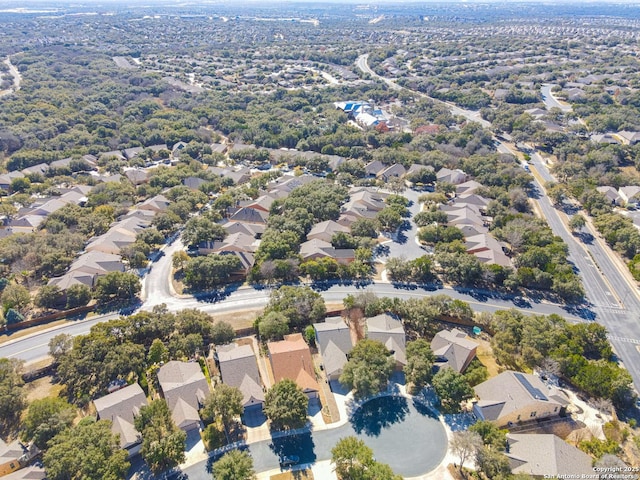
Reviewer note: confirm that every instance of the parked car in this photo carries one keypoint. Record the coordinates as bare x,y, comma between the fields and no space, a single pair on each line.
289,460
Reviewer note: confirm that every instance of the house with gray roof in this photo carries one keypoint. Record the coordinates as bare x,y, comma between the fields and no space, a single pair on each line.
239,368
372,169
611,193
629,195
393,171
334,344
546,455
455,177
120,407
453,349
316,248
389,330
184,388
515,397
249,215
157,204
326,230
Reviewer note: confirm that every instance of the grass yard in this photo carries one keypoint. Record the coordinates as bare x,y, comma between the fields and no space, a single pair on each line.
485,355
297,475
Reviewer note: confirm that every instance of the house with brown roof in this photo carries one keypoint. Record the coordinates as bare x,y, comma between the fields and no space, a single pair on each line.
453,349
291,358
121,407
239,368
334,344
514,397
487,249
389,330
546,455
184,388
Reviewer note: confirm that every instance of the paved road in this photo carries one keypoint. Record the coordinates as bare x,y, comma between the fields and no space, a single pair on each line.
404,245
613,299
550,101
474,116
411,443
35,347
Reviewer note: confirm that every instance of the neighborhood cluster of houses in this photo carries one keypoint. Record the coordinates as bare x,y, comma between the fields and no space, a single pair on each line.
363,113
628,196
467,212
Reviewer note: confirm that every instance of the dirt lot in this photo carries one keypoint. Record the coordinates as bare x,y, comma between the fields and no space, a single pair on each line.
297,475
42,388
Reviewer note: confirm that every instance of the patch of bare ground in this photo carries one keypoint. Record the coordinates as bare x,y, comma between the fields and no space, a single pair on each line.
485,355
239,320
306,474
42,388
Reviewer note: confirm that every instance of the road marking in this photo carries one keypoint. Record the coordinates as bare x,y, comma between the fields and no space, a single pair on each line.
624,339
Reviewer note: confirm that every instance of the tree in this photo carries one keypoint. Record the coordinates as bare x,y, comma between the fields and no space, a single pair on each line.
60,345
117,286
369,367
492,463
273,326
364,227
49,296
389,219
465,444
12,396
234,465
577,223
157,353
180,259
15,296
222,333
300,305
210,271
89,450
286,406
46,417
350,455
491,435
78,295
163,443
420,360
354,460
200,230
452,389
224,403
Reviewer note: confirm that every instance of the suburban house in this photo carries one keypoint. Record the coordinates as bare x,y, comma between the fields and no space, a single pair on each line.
120,407
372,169
253,229
239,368
629,195
455,177
334,344
291,358
249,215
326,230
453,349
14,461
87,268
7,178
316,248
611,193
487,249
389,331
157,204
630,138
546,455
184,388
514,397
393,171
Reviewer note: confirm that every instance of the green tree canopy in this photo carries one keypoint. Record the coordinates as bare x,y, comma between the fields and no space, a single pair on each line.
420,360
46,417
369,367
234,465
354,461
224,403
90,450
163,443
286,406
300,305
12,396
452,389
